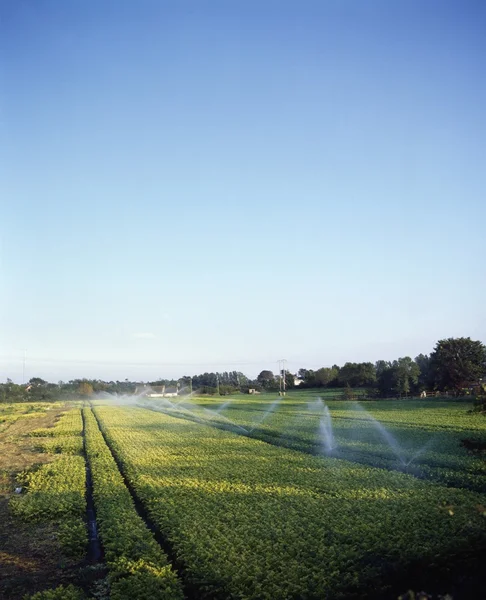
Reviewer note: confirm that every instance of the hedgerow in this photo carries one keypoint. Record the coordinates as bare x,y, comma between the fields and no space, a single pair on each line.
137,566
251,520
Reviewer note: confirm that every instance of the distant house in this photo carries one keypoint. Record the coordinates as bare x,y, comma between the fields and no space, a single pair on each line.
171,392
156,391
297,381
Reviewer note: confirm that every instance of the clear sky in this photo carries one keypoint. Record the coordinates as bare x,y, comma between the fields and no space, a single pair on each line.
188,186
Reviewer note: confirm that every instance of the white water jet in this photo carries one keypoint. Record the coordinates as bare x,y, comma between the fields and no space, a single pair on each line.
119,399
387,436
222,407
215,413
167,406
326,431
268,412
317,405
420,451
187,410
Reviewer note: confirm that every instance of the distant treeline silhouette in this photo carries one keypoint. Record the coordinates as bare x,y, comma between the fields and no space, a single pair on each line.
456,366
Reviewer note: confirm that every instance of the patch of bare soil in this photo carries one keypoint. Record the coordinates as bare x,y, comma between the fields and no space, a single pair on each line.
30,554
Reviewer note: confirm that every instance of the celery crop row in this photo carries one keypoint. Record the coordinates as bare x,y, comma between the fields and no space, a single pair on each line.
138,568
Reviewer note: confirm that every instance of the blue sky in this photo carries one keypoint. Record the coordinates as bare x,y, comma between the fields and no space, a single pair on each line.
192,186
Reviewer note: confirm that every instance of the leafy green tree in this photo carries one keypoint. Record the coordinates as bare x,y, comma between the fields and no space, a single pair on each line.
241,379
37,381
40,390
334,381
85,388
406,374
397,378
289,380
325,375
386,378
457,363
13,392
425,379
308,377
381,366
357,374
266,379
348,393
186,382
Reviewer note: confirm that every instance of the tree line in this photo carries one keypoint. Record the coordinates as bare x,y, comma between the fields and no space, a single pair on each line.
455,365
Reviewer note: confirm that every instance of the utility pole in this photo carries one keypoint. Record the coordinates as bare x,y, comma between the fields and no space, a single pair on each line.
282,369
217,383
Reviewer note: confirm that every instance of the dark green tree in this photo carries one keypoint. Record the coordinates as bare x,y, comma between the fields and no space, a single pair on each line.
308,377
406,375
37,381
266,379
357,374
85,388
425,379
325,375
397,378
457,363
289,381
381,366
348,393
386,378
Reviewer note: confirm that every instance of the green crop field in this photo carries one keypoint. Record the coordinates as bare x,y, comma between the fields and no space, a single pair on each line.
260,497
419,437
255,506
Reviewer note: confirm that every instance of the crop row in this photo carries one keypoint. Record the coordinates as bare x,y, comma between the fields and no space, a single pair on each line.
138,567
60,593
64,438
69,423
55,492
250,520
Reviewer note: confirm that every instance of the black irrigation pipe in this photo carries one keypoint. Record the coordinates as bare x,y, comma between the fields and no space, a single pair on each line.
191,592
95,549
